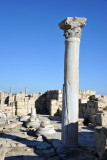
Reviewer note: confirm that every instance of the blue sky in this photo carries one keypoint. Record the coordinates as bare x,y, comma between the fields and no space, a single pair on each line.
32,45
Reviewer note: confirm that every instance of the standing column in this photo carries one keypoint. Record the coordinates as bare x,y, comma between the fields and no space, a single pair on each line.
26,91
72,32
10,90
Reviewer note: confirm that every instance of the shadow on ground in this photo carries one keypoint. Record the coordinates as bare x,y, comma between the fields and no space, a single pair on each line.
42,149
24,158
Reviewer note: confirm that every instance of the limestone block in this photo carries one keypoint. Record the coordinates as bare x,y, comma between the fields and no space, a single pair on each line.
92,92
21,107
20,103
97,96
21,111
101,119
101,142
52,102
53,107
29,111
60,95
33,124
60,99
93,111
84,100
60,91
45,128
94,120
87,92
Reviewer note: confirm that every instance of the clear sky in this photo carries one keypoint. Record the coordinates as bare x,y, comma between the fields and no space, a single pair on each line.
32,45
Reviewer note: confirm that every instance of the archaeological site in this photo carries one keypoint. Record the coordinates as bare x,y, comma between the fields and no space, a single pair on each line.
68,124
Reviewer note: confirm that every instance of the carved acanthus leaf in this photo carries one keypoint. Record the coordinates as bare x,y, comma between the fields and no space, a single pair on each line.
72,26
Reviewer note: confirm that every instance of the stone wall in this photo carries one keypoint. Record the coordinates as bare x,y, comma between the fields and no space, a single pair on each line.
95,110
55,105
91,106
24,103
16,104
51,102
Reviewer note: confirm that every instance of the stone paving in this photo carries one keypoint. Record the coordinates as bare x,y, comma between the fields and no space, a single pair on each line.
20,143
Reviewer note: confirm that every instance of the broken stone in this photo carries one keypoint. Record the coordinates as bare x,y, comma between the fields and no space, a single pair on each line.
32,124
101,142
24,118
45,128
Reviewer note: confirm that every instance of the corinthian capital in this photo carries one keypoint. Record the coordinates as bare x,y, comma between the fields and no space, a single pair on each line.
72,26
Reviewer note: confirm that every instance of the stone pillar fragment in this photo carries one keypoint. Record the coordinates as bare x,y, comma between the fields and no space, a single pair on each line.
33,114
72,32
26,91
10,90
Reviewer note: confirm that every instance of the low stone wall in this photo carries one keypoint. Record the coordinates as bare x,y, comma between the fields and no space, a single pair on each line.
17,104
51,102
95,109
55,106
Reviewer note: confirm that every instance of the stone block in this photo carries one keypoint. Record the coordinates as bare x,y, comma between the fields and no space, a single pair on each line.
101,119
21,103
60,91
84,100
92,92
52,102
93,111
94,120
21,106
101,142
21,111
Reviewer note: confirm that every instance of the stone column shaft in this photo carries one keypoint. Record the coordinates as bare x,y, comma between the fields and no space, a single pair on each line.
26,91
72,31
10,90
33,111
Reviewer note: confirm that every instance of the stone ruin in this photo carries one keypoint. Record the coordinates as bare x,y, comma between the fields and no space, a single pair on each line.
92,109
17,104
31,126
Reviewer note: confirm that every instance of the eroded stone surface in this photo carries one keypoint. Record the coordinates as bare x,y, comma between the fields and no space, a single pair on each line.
72,31
101,141
72,26
45,128
19,144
